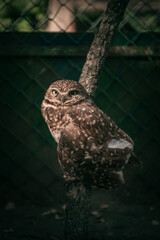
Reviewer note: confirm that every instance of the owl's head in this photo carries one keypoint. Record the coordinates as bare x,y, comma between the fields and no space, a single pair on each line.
66,93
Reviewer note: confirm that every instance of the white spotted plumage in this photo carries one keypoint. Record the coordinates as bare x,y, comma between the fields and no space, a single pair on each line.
91,147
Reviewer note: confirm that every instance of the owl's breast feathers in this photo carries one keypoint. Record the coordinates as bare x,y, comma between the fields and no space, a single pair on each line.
91,146
56,119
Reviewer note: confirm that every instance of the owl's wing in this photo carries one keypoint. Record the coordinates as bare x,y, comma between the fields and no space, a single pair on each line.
102,135
66,162
80,163
92,147
71,157
96,124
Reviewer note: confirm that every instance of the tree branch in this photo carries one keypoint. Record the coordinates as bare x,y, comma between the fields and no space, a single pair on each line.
101,44
77,211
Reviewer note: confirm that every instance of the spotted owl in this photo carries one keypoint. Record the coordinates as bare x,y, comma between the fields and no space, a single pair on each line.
91,147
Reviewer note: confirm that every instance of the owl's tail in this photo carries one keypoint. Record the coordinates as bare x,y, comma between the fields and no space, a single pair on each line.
109,180
134,160
110,176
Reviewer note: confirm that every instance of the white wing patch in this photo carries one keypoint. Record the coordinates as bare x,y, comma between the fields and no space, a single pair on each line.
121,144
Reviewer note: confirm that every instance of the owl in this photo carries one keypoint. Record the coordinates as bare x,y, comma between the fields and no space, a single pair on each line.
91,147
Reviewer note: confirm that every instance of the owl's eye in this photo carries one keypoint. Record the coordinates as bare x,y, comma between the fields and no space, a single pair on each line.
73,92
54,92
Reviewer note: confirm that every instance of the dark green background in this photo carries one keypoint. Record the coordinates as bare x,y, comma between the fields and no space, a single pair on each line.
128,91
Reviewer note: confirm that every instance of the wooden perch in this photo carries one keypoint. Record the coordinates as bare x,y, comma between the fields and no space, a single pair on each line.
77,202
101,44
77,211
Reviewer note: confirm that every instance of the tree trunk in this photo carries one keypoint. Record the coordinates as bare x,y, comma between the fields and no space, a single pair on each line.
77,211
101,44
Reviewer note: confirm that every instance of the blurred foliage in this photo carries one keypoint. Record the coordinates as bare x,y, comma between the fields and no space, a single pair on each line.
144,22
30,15
17,15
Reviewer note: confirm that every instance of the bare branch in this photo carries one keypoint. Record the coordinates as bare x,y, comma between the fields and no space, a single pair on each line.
101,44
77,211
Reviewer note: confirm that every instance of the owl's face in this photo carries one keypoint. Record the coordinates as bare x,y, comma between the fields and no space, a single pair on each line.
66,93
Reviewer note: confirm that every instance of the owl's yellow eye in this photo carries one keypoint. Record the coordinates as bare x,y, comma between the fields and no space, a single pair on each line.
54,92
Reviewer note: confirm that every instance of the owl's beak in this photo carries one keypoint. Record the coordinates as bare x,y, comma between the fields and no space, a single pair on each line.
63,99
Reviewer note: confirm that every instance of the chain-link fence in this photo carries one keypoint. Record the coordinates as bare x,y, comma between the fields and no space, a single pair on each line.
74,15
29,62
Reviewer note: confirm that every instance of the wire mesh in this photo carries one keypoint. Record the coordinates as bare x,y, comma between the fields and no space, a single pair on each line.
74,15
128,88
